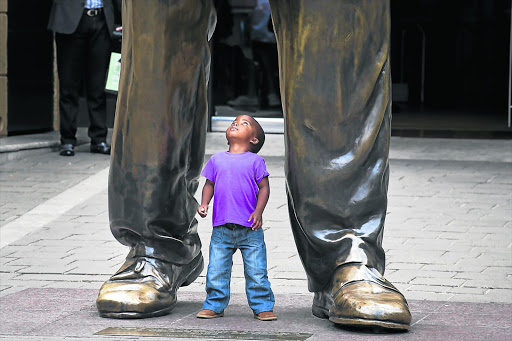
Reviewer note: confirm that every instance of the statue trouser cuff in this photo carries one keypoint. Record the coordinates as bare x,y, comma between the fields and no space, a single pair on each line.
145,287
361,297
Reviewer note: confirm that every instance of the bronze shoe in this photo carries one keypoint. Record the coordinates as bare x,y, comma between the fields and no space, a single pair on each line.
361,297
145,287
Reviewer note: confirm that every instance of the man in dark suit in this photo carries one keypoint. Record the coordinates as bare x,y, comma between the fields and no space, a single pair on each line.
83,32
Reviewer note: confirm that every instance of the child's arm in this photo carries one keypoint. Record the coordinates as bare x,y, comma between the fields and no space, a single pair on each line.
207,196
263,195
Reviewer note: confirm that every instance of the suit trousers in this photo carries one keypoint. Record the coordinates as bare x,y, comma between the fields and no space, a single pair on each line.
82,60
335,89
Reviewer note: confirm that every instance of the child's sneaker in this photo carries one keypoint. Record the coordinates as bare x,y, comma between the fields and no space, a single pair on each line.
266,316
209,314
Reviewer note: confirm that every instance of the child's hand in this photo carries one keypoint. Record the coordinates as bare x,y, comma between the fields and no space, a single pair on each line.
257,220
203,210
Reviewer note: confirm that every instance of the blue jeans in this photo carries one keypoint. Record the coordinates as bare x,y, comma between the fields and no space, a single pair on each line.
226,239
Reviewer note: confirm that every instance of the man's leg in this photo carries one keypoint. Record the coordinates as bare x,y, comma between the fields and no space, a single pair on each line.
158,152
335,83
71,49
98,53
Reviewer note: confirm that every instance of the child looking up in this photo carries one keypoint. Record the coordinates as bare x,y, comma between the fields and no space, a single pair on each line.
238,181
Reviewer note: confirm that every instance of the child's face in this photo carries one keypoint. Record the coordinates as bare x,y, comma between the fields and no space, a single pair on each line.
242,128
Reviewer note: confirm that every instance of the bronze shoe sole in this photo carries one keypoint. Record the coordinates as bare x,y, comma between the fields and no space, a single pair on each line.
138,315
368,323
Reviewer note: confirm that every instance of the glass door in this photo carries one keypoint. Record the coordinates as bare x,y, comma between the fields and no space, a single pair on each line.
244,75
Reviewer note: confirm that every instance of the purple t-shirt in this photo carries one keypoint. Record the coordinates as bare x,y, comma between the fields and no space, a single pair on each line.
236,177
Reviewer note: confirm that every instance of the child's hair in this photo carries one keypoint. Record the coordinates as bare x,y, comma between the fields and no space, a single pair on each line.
261,137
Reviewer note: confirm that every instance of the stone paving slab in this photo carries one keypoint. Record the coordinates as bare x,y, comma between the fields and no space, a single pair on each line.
22,181
71,313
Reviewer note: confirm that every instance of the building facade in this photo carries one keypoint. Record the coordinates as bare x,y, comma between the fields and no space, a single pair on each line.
450,65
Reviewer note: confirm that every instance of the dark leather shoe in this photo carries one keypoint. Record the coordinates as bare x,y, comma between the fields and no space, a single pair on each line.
361,297
145,287
101,148
67,150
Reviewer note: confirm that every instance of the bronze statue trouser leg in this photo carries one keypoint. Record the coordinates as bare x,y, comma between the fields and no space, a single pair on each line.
160,128
335,84
157,155
335,81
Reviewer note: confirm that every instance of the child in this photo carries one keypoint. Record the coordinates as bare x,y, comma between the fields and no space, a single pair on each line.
239,180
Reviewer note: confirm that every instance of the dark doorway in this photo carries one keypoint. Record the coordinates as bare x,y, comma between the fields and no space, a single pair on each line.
30,67
450,64
449,61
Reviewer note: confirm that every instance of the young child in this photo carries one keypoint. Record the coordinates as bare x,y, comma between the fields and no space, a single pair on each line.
239,179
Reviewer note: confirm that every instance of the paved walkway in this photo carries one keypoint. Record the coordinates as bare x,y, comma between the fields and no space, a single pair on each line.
448,242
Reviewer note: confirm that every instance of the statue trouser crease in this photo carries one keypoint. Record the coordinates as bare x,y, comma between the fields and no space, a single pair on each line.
335,85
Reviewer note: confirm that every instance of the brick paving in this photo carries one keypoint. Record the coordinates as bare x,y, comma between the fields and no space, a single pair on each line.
448,235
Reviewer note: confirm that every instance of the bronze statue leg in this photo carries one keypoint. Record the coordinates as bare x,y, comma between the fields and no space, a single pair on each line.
157,155
335,83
